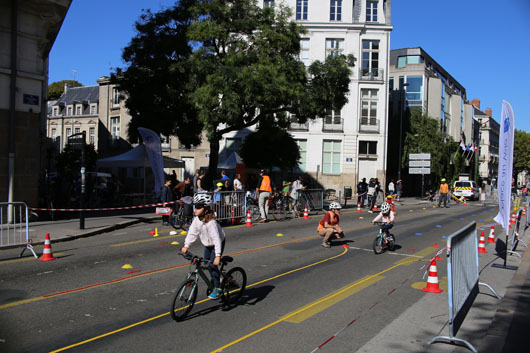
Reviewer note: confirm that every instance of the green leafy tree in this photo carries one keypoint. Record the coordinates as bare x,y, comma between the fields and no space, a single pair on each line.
56,89
270,147
424,136
224,65
521,152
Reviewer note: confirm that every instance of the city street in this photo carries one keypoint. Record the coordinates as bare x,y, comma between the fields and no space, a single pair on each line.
299,296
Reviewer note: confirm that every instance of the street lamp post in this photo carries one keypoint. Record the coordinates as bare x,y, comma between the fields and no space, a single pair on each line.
401,108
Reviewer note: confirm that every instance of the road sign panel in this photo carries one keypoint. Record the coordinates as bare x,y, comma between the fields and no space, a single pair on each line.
419,156
415,163
419,170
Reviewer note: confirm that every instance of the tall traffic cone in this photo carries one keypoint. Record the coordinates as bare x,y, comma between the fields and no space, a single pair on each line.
432,279
491,238
512,220
375,207
248,223
358,207
47,252
524,212
482,244
465,201
156,233
306,213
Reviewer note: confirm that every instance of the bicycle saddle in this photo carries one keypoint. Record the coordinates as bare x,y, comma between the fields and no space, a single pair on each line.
226,259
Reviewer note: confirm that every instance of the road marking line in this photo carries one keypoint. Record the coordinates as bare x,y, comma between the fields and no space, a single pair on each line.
27,259
199,302
332,299
143,240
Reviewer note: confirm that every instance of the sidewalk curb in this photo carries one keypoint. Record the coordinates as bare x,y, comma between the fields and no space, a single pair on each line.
101,230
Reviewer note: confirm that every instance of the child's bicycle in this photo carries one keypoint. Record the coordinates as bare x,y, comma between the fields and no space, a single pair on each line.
382,241
233,283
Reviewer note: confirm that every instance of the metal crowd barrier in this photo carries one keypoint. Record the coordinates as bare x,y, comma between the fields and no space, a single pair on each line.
462,279
228,205
313,198
14,226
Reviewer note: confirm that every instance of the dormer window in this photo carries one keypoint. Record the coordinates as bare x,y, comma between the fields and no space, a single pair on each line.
69,110
371,10
78,110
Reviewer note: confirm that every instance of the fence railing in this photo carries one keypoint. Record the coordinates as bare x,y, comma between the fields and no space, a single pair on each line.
313,198
14,226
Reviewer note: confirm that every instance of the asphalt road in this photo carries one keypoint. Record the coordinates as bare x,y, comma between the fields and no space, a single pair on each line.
299,295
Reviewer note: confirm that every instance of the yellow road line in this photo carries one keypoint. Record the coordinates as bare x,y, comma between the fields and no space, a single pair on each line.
343,293
199,302
144,240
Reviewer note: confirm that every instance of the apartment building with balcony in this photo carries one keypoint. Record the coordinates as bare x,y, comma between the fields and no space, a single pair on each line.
489,131
348,144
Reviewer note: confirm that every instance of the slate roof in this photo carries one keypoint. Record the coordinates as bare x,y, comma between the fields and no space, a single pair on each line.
86,94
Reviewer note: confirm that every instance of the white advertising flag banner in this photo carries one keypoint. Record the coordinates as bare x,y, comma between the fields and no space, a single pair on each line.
504,183
153,149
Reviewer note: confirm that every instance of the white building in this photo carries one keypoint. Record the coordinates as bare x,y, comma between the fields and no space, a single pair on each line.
349,144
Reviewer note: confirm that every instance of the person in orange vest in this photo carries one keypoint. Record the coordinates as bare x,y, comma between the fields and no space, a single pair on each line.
329,227
263,192
444,191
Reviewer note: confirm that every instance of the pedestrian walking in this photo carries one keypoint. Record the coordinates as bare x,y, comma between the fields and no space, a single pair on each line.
263,193
391,188
237,183
444,192
372,194
362,190
399,189
166,196
296,187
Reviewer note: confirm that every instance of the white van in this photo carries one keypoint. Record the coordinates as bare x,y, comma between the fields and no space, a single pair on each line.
466,188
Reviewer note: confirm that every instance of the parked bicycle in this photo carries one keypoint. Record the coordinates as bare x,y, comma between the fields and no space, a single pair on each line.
233,283
278,206
383,241
252,205
181,218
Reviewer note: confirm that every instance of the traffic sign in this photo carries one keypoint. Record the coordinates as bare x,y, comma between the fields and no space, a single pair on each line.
419,156
419,170
415,163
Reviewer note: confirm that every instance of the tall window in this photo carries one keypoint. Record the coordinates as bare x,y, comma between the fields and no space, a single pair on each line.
370,58
55,111
331,156
332,117
78,110
115,127
68,132
268,3
334,47
77,130
93,108
414,91
304,51
69,111
367,147
91,135
233,145
54,134
115,96
368,107
301,9
371,11
302,145
335,12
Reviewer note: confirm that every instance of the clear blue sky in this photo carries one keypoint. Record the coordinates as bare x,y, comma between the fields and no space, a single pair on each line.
483,44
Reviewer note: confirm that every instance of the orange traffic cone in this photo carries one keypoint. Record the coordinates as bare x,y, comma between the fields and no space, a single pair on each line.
482,244
432,279
358,207
524,212
47,252
512,220
375,207
465,202
491,238
248,223
306,214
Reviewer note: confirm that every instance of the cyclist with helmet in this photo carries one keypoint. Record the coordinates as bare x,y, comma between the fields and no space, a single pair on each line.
329,227
387,216
212,236
444,192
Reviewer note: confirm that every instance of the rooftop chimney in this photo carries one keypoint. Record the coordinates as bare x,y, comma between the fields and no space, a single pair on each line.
476,103
488,111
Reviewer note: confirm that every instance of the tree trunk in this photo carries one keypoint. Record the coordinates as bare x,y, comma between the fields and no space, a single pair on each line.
211,175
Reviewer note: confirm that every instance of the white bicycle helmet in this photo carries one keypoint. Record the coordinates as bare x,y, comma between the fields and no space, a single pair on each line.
334,206
385,207
202,199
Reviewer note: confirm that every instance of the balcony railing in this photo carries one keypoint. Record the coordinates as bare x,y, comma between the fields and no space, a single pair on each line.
295,125
371,74
333,124
369,125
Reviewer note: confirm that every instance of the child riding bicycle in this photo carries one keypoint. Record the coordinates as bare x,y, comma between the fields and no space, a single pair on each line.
386,216
212,236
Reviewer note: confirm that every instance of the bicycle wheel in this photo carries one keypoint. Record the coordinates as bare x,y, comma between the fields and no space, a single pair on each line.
254,213
278,212
234,283
378,246
184,299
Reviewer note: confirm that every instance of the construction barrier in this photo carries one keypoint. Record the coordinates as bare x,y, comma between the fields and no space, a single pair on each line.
313,198
463,280
14,226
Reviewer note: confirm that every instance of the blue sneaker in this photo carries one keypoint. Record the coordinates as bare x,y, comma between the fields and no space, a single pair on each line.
215,293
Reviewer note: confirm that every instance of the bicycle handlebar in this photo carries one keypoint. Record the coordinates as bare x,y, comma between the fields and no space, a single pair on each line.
194,258
379,223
